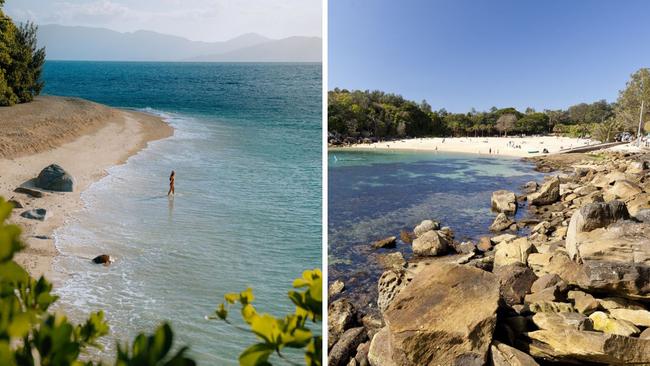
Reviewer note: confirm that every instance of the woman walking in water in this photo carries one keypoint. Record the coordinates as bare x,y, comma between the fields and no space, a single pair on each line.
171,183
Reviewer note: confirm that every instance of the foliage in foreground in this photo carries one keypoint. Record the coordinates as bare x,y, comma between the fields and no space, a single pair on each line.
275,334
21,62
30,335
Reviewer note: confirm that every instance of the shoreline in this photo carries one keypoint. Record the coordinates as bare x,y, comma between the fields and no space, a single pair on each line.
86,139
488,146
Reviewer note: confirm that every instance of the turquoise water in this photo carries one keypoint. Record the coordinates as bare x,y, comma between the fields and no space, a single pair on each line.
247,156
375,194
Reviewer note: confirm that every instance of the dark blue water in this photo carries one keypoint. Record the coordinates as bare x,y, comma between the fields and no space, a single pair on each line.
372,195
247,154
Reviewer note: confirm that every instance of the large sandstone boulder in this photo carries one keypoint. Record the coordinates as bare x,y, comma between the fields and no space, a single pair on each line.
504,201
592,216
390,284
430,243
547,194
516,251
55,178
445,316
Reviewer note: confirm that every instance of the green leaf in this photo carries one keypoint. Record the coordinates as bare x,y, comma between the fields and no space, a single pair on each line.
256,355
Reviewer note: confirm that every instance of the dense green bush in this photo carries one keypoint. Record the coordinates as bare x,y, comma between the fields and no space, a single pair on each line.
21,62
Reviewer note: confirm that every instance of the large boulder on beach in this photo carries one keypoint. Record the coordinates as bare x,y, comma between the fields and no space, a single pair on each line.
547,194
431,243
504,201
445,316
590,217
55,178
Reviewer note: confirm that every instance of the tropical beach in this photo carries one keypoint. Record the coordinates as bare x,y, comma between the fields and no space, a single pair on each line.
83,137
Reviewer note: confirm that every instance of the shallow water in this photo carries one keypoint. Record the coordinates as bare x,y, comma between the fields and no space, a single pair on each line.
246,151
375,194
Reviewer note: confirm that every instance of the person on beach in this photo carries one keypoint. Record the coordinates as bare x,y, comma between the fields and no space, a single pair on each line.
171,183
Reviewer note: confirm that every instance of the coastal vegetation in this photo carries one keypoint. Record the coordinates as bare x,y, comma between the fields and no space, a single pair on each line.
21,61
375,114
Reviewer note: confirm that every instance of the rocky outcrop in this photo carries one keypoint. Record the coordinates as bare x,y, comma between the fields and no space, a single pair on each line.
504,355
504,201
55,178
445,316
346,346
515,281
547,194
516,251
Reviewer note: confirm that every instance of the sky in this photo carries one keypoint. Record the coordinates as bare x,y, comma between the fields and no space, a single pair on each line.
463,54
198,20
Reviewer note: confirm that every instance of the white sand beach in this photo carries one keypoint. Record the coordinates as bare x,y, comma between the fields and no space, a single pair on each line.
84,138
504,146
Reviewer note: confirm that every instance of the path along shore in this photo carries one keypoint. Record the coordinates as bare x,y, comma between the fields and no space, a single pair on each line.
84,138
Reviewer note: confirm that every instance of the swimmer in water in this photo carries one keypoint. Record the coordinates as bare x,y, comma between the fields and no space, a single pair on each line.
171,183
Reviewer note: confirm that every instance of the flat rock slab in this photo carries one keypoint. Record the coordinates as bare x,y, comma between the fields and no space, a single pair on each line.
35,214
29,191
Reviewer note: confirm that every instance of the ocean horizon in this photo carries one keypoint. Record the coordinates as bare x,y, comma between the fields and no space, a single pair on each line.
247,154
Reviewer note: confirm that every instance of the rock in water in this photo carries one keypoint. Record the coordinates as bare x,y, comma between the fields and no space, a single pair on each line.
35,214
388,242
548,193
341,316
424,226
504,201
103,259
346,347
501,222
55,178
431,243
445,316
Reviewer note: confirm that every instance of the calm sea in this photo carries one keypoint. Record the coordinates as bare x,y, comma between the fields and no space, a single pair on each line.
373,195
247,156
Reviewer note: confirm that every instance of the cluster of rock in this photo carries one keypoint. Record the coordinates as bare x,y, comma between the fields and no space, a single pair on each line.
575,289
336,139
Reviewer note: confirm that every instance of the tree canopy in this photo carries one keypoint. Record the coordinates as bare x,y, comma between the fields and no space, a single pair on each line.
360,114
21,61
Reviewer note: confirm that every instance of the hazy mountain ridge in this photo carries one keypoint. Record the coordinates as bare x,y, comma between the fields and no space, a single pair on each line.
95,44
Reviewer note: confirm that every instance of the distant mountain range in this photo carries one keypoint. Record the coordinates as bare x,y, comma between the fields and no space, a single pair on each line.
99,44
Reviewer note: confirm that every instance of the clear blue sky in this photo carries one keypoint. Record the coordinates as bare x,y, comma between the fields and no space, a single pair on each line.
460,54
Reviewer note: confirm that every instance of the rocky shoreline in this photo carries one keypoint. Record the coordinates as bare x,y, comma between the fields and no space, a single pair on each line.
572,288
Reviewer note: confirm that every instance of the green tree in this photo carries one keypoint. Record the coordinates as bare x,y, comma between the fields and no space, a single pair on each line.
21,62
628,106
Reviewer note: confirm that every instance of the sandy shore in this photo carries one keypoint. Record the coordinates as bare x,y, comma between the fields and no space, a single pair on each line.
505,146
85,138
